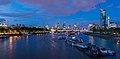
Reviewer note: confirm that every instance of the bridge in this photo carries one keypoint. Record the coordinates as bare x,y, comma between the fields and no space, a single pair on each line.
82,30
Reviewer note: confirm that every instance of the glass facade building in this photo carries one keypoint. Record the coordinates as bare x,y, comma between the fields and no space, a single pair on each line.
103,18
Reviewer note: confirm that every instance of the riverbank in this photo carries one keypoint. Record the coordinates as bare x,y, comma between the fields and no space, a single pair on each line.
101,35
16,34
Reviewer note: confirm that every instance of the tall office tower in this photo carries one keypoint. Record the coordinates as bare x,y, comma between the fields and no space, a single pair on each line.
64,26
103,18
57,26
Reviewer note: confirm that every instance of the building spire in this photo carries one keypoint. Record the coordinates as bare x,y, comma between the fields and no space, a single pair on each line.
4,21
108,22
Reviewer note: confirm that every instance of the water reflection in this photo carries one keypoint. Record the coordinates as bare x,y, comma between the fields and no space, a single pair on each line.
49,46
91,40
53,36
98,41
117,43
26,37
10,47
103,42
15,37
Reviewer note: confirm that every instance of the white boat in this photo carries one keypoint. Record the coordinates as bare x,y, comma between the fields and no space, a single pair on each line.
118,41
62,37
27,34
4,36
81,46
105,52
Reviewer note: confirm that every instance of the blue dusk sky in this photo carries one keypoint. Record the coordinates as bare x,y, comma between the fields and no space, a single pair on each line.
42,12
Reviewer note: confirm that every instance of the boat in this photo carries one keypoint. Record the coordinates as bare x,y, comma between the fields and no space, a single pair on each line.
118,41
27,34
73,42
77,41
62,37
94,51
81,47
106,52
69,41
91,46
4,36
91,50
71,34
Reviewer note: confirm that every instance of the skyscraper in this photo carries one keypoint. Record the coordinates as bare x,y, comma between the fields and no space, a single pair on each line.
64,26
57,26
103,18
75,27
47,27
108,22
69,27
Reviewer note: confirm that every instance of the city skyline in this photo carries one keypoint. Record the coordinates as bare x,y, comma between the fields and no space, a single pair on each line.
59,29
40,13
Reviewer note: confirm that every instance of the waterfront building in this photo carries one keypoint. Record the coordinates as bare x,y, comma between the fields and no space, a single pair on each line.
93,26
64,26
113,25
103,18
57,26
69,27
75,27
37,27
3,25
90,26
12,26
47,27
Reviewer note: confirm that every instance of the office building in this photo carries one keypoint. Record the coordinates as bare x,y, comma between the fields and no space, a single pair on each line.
103,19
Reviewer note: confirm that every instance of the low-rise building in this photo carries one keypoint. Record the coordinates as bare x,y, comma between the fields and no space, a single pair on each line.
113,25
3,25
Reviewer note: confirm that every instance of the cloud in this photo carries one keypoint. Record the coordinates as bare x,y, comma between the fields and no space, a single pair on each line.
118,6
25,14
111,5
1,19
64,7
4,2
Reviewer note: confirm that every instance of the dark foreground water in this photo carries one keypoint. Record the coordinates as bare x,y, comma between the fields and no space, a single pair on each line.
47,46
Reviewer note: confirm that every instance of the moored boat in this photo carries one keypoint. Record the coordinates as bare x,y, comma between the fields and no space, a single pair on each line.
106,52
27,34
4,36
62,37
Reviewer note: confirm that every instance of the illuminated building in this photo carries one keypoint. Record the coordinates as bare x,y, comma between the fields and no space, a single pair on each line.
36,26
113,25
64,26
90,26
4,25
69,27
93,26
57,26
103,18
75,27
47,27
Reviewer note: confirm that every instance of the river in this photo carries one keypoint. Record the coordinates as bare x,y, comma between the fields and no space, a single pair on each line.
47,46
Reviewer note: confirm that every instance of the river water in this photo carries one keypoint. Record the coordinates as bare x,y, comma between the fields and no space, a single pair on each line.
47,46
